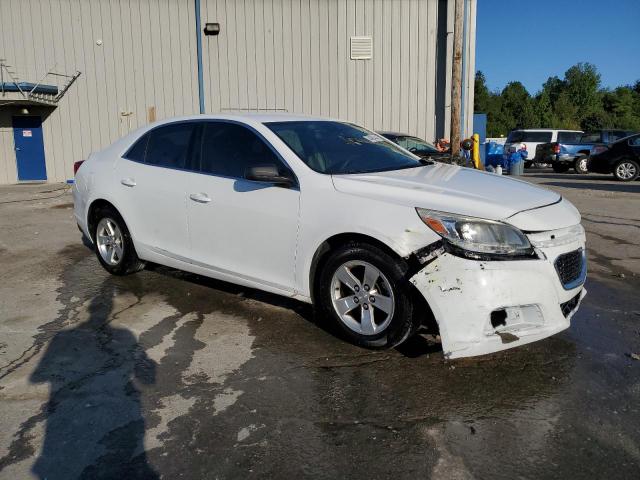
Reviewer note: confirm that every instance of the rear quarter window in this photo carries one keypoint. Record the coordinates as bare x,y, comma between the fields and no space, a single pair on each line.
138,150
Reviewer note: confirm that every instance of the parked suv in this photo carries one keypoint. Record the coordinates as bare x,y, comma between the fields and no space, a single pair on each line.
531,138
328,212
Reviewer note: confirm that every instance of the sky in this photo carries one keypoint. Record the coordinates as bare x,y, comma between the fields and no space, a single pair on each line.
531,40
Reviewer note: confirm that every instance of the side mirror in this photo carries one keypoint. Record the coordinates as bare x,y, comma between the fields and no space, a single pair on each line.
269,174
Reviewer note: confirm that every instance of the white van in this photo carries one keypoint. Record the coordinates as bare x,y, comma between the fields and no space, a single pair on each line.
532,137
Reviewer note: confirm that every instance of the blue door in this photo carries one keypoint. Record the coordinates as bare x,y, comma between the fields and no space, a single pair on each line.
27,138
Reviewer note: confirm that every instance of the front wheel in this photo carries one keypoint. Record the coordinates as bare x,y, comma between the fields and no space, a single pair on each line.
364,291
626,170
581,165
113,245
559,167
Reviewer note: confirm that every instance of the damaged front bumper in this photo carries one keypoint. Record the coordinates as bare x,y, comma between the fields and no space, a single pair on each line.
487,306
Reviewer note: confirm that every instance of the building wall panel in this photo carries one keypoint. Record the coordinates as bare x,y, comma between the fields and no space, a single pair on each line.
293,55
288,55
147,58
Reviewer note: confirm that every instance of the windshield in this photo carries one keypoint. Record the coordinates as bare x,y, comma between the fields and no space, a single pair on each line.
336,147
415,145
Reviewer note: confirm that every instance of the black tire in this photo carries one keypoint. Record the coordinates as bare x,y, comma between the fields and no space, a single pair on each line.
633,167
528,164
404,321
559,167
580,165
129,262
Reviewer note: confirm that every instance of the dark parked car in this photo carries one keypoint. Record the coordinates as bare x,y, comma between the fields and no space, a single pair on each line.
621,158
417,146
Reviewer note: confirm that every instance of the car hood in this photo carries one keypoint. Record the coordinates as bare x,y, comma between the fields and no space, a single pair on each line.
449,188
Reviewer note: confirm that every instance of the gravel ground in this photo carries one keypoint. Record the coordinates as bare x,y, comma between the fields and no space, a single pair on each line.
166,374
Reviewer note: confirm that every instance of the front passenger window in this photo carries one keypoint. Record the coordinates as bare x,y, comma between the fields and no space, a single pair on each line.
169,146
228,149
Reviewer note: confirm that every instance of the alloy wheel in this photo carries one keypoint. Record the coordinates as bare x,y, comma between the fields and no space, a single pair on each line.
109,241
626,170
362,297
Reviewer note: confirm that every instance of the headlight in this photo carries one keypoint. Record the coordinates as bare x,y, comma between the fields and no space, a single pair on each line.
475,237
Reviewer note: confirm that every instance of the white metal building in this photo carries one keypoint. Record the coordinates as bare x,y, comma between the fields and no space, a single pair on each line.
385,64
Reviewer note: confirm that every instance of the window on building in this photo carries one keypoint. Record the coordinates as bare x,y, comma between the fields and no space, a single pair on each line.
228,149
169,146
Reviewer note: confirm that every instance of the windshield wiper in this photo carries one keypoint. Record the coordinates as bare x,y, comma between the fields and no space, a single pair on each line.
426,161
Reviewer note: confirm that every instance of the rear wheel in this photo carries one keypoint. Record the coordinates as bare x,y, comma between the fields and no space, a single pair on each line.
559,167
528,164
626,170
364,291
113,245
581,165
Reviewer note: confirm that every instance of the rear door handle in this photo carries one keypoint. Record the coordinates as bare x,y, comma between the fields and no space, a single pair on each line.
128,182
200,197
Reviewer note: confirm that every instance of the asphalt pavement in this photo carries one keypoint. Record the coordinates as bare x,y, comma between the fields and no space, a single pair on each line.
165,374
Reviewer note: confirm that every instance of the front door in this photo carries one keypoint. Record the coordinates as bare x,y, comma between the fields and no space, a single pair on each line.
29,146
239,227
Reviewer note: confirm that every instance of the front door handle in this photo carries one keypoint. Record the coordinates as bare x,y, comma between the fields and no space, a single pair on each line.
200,197
128,182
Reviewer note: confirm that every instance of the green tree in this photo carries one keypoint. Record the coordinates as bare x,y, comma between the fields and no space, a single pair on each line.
576,101
583,87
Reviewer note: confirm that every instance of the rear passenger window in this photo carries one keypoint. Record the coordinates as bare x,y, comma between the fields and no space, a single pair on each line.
229,149
169,146
137,152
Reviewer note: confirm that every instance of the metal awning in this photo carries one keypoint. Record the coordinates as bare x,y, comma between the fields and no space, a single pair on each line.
17,92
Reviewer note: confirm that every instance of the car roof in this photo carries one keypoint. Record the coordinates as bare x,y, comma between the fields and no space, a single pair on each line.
249,117
545,130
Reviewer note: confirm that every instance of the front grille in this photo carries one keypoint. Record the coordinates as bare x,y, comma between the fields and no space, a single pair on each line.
570,266
568,307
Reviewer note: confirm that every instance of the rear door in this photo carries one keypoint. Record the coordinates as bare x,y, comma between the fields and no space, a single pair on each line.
238,227
152,186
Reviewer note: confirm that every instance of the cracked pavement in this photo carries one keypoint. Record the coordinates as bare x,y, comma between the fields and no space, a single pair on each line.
165,374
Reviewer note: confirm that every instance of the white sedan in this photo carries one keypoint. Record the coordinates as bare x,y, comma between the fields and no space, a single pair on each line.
331,213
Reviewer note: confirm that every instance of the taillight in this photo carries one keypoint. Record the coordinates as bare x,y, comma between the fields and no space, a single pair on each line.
556,148
76,166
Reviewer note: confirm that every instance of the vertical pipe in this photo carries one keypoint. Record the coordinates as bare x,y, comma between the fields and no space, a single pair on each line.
199,53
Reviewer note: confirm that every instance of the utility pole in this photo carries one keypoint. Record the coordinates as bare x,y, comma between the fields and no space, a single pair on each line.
456,77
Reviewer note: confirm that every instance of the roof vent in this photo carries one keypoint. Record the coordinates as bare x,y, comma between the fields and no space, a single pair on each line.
361,48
